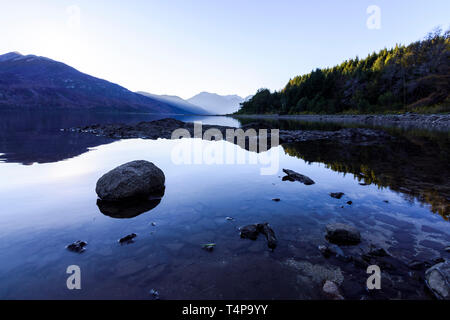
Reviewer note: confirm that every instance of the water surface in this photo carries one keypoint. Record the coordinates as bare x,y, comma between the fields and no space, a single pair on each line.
399,193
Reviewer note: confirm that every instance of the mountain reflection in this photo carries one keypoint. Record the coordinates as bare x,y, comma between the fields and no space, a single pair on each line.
415,165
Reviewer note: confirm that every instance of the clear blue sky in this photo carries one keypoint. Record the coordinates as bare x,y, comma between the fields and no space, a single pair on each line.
183,47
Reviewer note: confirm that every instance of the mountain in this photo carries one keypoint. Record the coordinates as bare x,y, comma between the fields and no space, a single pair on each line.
217,104
413,78
29,81
176,101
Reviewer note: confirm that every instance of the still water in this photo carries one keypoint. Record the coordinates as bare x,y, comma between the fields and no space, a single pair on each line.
400,202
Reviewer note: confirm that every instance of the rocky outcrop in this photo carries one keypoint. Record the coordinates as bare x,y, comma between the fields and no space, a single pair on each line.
437,279
133,180
342,234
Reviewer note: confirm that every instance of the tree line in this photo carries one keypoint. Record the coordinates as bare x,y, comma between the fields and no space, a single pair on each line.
412,78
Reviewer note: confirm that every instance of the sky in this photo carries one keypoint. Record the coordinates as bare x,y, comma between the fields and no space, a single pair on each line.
183,47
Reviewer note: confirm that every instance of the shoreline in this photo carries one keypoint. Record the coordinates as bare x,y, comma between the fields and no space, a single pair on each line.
438,122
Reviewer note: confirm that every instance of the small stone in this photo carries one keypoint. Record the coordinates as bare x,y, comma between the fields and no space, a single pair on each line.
77,246
349,203
339,233
437,279
447,249
209,247
249,232
229,218
154,294
332,291
252,231
295,176
276,200
337,195
128,239
326,252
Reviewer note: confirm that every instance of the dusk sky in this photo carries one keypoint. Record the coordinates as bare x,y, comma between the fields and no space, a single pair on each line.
184,47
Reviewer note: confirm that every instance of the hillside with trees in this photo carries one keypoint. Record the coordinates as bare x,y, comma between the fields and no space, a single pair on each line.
414,78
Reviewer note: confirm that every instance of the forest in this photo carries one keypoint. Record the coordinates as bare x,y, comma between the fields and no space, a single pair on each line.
412,78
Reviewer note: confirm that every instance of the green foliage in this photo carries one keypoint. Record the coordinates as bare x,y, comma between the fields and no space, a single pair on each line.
404,78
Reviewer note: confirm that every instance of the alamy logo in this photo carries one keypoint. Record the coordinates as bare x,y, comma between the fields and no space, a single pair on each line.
74,17
374,281
194,151
374,20
74,280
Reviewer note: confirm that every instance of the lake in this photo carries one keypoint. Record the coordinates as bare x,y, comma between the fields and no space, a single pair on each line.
399,193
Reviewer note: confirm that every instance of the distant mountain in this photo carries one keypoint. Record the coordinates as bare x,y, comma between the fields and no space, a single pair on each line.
217,104
176,101
38,82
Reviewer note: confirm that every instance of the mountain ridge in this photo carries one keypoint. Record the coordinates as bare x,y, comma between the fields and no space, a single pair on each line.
30,81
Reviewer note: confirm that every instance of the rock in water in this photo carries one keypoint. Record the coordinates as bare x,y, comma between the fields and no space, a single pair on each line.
266,230
337,195
437,279
128,239
295,176
331,290
339,233
249,232
77,246
136,179
253,230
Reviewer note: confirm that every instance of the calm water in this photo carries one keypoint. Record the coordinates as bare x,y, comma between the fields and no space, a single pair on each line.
47,193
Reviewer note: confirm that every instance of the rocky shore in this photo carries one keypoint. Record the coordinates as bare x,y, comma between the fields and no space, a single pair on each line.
439,122
165,127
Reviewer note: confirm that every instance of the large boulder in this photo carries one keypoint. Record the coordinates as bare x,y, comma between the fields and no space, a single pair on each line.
133,180
339,233
437,279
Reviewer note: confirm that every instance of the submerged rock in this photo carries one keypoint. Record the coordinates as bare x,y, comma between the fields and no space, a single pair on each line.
252,231
337,195
266,230
339,233
295,176
315,274
437,279
136,179
332,291
77,246
249,232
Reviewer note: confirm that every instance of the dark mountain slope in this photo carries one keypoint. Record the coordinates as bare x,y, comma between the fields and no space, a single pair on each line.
37,82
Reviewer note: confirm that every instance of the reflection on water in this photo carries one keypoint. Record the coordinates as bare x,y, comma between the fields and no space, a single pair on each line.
48,205
418,167
29,136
